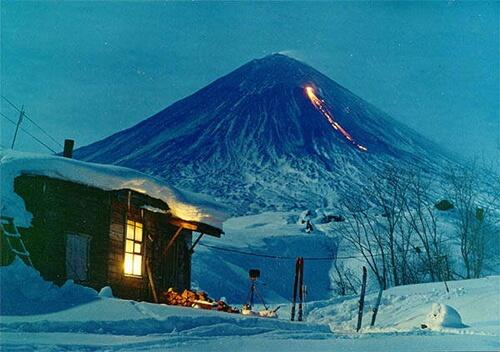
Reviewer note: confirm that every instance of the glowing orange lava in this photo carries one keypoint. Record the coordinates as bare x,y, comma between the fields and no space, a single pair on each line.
320,106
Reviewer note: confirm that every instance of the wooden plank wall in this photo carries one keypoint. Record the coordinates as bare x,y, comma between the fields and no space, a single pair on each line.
170,271
61,207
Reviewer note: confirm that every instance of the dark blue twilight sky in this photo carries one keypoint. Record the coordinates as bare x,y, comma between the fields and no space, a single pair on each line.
84,70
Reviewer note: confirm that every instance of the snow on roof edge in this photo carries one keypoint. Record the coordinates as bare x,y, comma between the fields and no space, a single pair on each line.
185,205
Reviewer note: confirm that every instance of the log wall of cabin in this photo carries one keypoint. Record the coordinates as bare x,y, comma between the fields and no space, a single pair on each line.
60,208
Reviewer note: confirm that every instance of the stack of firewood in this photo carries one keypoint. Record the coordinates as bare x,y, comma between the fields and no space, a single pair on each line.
185,298
224,307
194,299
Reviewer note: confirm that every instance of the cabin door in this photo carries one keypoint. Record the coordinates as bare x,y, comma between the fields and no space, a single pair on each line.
77,257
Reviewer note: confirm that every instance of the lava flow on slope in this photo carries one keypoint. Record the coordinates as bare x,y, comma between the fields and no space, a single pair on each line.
321,107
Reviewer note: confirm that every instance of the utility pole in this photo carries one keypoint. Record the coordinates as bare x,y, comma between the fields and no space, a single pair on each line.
19,120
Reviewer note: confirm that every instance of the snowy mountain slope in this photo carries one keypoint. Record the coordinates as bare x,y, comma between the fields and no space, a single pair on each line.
95,323
255,139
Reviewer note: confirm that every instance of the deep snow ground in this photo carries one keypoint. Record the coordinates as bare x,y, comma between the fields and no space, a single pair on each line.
119,325
36,315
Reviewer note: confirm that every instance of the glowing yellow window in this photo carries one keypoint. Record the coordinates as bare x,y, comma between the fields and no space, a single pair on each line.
133,249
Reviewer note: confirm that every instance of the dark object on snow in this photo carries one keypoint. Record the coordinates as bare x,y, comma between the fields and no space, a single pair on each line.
480,214
329,218
309,226
361,300
444,205
306,216
423,326
338,218
254,274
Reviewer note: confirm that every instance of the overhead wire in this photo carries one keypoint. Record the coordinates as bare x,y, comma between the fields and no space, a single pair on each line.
31,120
284,257
28,133
225,249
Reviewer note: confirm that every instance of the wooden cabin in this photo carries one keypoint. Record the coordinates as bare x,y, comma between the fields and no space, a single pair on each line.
122,238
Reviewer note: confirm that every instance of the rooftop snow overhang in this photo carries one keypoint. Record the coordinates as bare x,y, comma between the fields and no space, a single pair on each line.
190,208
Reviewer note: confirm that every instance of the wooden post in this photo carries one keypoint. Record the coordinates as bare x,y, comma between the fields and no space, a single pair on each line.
447,274
151,281
361,300
377,304
191,250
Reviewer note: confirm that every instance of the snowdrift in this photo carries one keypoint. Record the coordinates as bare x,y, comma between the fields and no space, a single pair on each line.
443,316
29,303
24,292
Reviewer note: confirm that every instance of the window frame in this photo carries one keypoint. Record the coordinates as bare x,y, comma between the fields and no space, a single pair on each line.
127,239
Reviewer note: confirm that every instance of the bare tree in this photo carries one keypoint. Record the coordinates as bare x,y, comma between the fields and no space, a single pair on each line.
360,230
408,266
388,192
345,280
420,215
475,196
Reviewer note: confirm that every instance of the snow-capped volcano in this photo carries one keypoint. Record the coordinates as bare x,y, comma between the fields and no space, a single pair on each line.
273,134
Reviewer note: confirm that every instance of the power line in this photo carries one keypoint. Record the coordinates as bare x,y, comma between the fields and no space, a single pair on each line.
280,256
284,257
31,120
28,133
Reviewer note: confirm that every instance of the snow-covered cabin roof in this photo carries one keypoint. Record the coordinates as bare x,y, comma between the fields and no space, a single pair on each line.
184,205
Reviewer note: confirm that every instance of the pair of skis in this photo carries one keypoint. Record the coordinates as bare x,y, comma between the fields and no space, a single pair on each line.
298,285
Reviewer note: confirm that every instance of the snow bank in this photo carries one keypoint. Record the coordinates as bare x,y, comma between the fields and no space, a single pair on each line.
443,316
106,291
30,304
114,324
185,205
404,309
24,292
